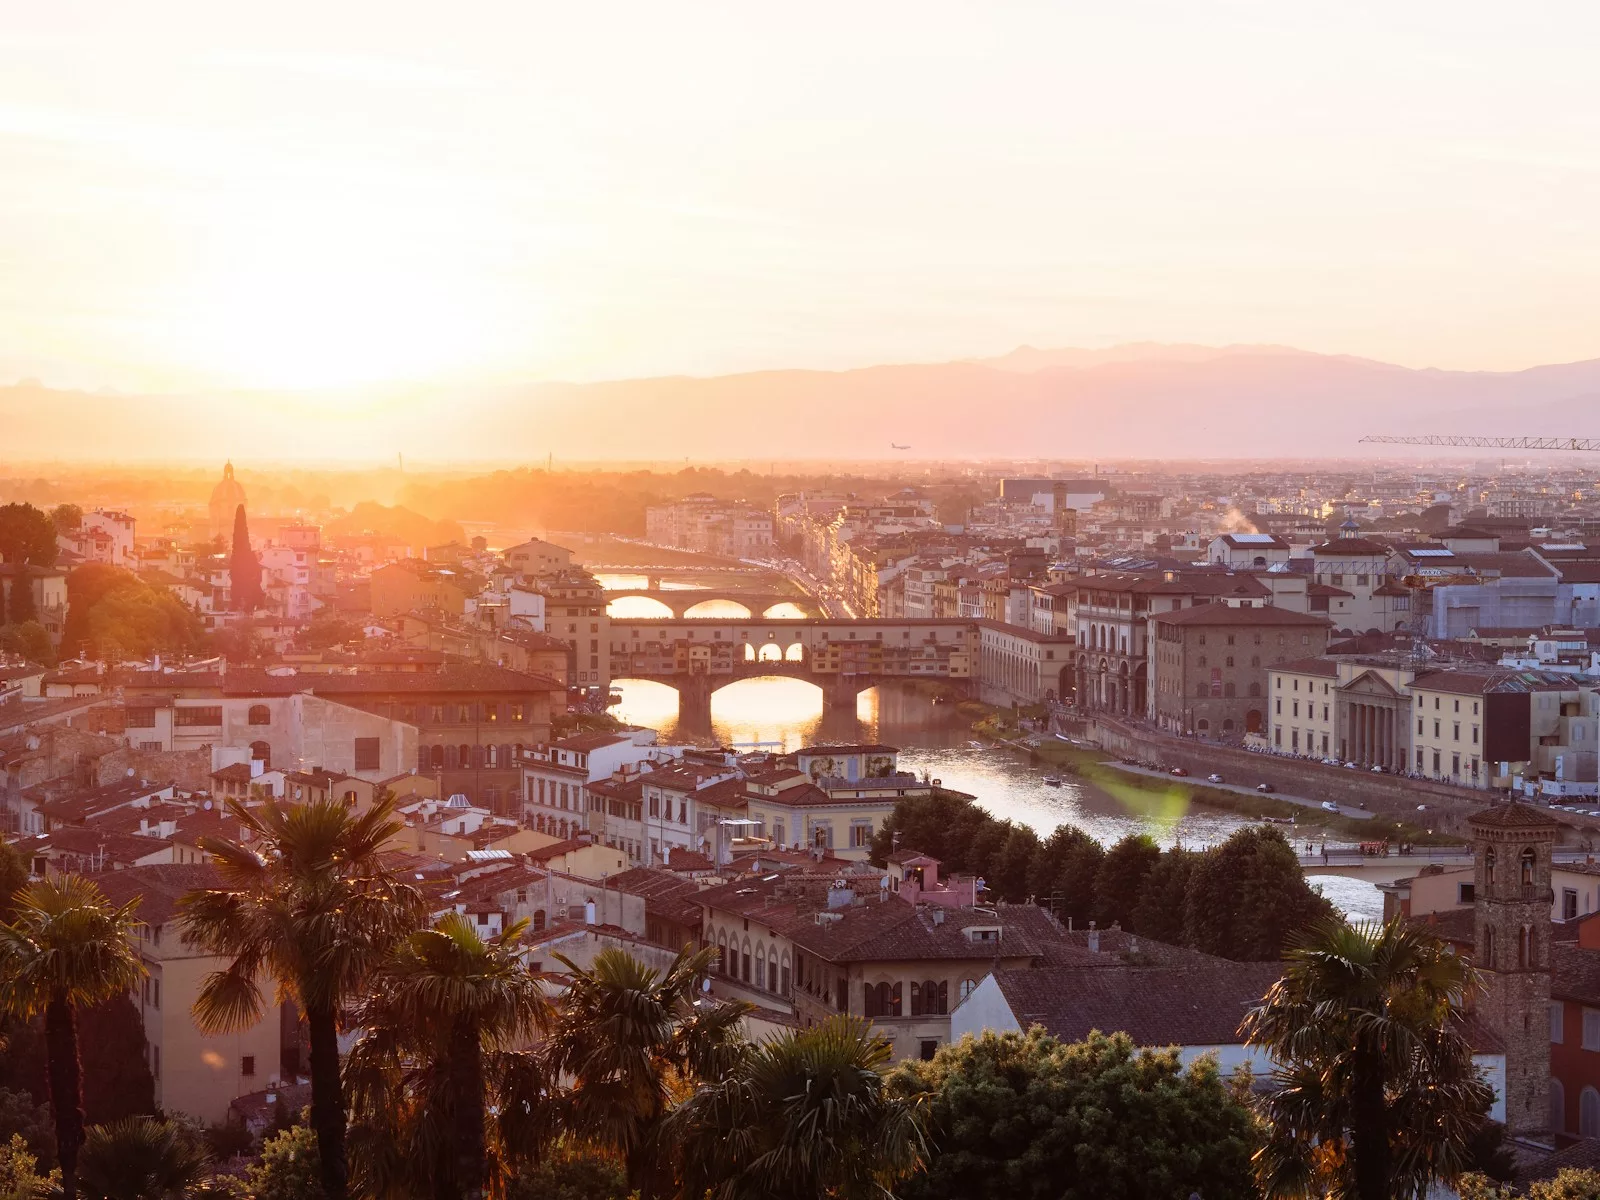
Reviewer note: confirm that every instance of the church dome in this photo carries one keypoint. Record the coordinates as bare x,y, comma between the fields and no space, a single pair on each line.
225,500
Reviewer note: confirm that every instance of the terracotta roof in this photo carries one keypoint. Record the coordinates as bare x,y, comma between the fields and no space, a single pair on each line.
1582,1155
1474,683
1575,973
75,839
1456,925
1512,815
584,742
1309,666
453,677
666,894
1155,1006
161,886
1229,614
1352,547
555,849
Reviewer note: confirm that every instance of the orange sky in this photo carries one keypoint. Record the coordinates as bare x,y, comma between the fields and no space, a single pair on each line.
199,194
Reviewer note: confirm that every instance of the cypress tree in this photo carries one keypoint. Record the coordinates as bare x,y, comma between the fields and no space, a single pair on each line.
22,607
244,569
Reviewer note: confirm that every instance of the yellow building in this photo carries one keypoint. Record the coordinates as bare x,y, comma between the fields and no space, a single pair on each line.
196,1074
1303,707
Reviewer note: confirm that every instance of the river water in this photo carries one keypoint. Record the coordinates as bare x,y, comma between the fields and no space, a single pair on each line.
783,714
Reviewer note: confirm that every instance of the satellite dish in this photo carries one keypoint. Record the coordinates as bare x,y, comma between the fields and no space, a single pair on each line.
207,806
705,985
130,772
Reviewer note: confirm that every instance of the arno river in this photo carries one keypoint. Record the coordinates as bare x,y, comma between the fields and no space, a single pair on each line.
783,714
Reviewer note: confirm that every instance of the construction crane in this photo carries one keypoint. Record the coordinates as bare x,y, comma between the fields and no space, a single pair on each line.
1499,443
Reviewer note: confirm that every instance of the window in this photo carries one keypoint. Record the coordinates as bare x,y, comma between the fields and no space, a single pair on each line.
966,989
1569,903
1589,1112
1466,893
1527,868
260,714
198,715
140,718
1455,732
1558,1014
927,1048
367,755
247,1065
1591,1029
1230,660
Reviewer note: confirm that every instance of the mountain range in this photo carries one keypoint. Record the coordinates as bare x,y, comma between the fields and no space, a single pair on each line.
1143,400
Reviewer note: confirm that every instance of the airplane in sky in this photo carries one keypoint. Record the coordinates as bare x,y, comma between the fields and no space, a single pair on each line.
898,446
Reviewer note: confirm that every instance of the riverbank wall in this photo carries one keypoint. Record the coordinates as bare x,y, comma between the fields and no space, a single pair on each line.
1392,796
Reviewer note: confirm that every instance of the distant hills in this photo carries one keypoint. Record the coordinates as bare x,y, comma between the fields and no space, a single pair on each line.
1144,400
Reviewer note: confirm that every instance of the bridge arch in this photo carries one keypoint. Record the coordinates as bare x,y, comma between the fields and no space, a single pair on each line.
696,611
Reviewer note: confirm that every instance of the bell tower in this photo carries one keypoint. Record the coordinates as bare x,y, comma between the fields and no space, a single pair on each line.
1512,845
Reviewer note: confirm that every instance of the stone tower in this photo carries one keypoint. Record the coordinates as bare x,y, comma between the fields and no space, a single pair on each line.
1512,844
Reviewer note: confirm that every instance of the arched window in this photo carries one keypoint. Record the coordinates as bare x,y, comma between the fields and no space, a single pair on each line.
745,963
772,968
1488,948
761,965
1488,865
450,759
783,977
1255,689
916,998
894,1001
1203,725
1558,1106
722,952
261,752
438,758
477,758
260,714
538,919
464,756
1525,948
1227,726
1527,867
1589,1112
349,799
494,755
422,758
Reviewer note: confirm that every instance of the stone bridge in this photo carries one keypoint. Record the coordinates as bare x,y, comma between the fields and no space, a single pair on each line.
1349,862
681,600
697,657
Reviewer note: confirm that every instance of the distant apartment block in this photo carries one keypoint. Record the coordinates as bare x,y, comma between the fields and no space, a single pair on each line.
707,525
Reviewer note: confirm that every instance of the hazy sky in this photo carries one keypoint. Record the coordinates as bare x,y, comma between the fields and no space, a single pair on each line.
196,193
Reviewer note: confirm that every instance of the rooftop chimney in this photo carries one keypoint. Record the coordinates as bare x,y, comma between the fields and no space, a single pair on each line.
1094,939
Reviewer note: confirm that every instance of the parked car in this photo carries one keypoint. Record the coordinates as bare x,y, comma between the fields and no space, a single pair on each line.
1265,787
1177,771
1214,778
1329,806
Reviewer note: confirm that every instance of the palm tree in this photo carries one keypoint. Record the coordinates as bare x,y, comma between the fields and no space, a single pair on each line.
1377,1092
441,1016
626,1037
138,1158
66,948
804,1115
313,908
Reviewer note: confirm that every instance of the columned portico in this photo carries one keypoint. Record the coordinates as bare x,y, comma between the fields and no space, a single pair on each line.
1372,730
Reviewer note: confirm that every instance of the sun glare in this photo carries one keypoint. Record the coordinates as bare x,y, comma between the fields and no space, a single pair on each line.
316,297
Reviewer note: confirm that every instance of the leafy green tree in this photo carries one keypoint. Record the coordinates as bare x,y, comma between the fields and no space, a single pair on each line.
21,1114
1026,1117
625,1035
570,1172
311,905
1159,911
29,641
1120,881
67,518
27,535
116,1078
19,1173
113,612
65,948
1377,1094
244,568
13,878
806,1114
1569,1184
1247,898
141,1158
290,1167
439,1017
